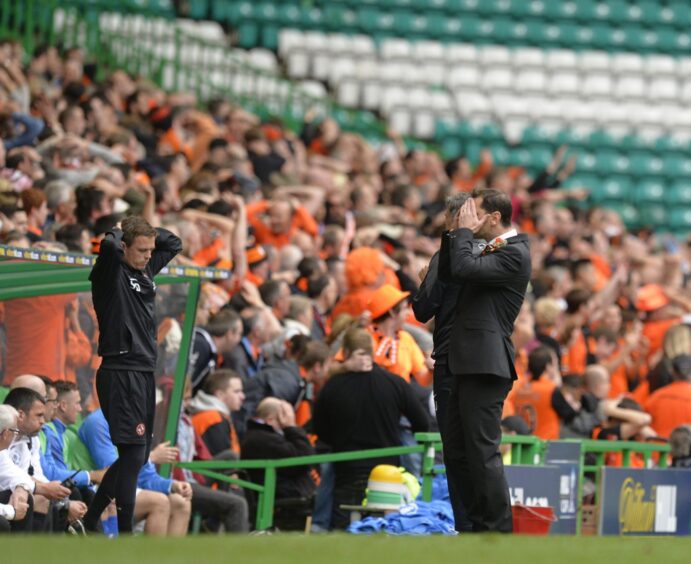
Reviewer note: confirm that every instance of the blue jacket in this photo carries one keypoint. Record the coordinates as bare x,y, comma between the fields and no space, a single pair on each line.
53,458
95,434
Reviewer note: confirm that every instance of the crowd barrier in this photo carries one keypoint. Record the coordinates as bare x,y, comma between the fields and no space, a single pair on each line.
531,461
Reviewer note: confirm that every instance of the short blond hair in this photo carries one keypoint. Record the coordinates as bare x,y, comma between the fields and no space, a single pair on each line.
547,311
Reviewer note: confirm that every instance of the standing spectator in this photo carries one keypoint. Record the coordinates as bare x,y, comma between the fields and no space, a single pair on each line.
670,406
361,409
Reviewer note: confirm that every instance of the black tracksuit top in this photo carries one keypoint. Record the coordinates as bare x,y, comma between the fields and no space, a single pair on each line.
124,301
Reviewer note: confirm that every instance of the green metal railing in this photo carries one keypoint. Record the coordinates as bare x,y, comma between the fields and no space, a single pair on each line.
600,449
525,450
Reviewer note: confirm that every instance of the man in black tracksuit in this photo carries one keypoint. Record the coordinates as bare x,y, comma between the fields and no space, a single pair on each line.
123,293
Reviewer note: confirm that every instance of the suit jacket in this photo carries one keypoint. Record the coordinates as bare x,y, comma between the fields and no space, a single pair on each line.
436,298
491,295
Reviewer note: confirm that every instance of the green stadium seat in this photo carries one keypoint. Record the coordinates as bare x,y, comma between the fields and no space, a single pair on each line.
219,10
676,165
451,147
269,37
290,16
679,219
679,194
649,190
248,34
610,162
239,12
602,36
312,18
199,9
3,393
611,188
627,212
645,163
653,215
536,135
266,12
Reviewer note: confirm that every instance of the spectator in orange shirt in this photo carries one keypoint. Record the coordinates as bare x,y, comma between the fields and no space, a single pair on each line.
277,220
532,398
258,268
35,205
575,352
660,314
394,348
670,406
463,178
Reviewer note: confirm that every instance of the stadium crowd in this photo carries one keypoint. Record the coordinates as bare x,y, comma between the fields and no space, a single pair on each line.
327,238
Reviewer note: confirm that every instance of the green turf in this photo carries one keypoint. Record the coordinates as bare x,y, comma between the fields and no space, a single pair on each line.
329,549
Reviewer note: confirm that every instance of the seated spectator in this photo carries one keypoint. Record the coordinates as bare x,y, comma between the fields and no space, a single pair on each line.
276,221
228,507
532,398
680,443
220,336
221,394
164,503
274,434
25,454
512,425
670,405
55,467
16,503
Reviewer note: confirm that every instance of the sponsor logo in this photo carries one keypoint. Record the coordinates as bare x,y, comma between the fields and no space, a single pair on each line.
657,514
518,497
134,284
141,429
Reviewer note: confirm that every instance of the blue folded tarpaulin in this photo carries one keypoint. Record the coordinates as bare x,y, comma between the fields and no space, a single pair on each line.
419,518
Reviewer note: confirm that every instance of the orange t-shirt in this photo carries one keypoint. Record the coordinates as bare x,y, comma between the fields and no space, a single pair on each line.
655,332
36,336
532,400
670,406
401,356
211,254
575,358
302,220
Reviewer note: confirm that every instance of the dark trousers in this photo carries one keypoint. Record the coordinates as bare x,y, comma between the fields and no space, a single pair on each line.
474,464
228,507
443,381
23,526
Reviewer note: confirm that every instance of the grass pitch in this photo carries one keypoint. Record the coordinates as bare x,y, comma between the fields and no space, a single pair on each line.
336,548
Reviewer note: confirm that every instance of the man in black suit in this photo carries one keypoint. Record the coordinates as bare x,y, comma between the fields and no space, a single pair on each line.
481,355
